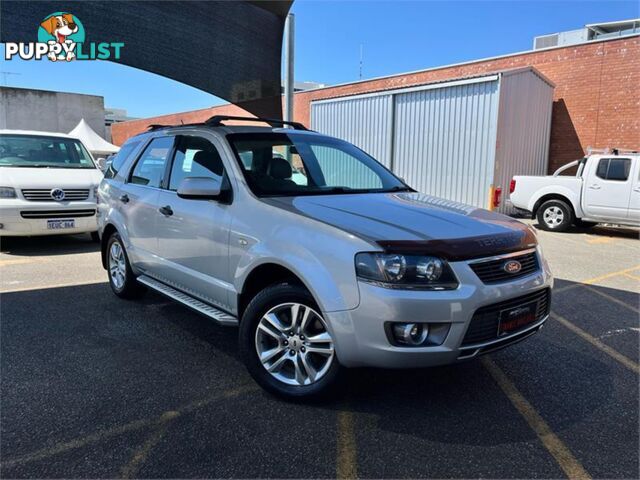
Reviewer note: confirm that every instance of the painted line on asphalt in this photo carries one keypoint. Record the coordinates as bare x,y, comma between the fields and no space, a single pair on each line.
19,261
560,452
613,299
632,276
620,358
130,470
50,286
346,463
600,240
64,447
593,280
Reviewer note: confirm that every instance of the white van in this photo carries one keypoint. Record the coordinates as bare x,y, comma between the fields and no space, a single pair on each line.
48,185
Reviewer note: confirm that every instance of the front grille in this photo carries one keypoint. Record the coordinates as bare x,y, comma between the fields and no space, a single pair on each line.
485,321
492,271
57,213
44,195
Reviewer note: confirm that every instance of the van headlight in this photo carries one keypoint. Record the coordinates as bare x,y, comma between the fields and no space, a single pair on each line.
7,192
393,270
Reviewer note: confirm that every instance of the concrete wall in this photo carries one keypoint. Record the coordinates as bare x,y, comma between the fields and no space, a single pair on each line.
596,100
26,109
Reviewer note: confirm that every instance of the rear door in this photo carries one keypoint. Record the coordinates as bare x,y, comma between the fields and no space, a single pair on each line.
634,200
139,201
194,234
608,188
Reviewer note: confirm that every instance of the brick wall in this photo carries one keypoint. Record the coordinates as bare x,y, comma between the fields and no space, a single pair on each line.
596,99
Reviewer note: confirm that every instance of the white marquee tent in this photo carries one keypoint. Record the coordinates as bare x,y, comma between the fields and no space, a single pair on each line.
97,145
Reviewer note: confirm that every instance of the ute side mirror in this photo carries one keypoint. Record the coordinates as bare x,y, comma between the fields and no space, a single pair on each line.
201,188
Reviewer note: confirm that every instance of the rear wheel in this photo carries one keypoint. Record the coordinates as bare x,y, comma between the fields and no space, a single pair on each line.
555,215
121,278
286,345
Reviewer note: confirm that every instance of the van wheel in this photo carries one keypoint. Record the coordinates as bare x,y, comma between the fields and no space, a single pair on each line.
286,345
555,215
95,237
121,278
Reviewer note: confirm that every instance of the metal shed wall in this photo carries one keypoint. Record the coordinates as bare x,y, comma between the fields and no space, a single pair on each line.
455,139
444,140
363,121
524,128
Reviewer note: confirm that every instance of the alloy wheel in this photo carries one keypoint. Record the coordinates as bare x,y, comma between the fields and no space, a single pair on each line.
294,344
117,265
553,216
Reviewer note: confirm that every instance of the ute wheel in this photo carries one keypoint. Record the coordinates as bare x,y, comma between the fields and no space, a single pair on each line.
95,237
555,216
121,278
286,345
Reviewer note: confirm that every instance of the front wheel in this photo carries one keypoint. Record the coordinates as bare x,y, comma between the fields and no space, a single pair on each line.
555,215
286,345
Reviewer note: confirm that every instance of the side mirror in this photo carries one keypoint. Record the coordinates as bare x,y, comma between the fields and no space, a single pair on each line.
101,163
200,188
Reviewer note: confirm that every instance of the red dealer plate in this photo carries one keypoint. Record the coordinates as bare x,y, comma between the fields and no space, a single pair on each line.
515,318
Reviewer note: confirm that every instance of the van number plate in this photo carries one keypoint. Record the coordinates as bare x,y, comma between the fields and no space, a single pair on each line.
60,224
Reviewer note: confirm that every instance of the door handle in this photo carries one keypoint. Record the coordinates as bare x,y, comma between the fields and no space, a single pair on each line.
636,189
124,198
595,186
166,210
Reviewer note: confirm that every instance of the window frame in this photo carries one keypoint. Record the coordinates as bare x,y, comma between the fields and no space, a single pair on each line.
140,154
608,159
177,139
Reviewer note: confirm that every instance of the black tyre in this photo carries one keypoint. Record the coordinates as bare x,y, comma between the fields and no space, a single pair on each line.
286,345
555,215
121,278
584,224
95,237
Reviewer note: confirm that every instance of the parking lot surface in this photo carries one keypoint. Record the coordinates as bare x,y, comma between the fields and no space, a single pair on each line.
94,386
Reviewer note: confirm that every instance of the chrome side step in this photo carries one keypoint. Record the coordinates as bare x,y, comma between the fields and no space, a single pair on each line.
187,300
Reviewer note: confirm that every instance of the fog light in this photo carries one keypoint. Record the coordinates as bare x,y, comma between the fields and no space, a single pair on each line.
411,333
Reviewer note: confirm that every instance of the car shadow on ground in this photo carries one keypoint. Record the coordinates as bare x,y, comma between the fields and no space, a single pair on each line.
459,404
48,245
604,230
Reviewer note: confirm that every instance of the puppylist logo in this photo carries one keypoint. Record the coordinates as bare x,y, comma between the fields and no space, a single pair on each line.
61,36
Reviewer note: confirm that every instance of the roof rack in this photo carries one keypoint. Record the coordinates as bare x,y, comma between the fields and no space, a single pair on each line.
610,151
216,121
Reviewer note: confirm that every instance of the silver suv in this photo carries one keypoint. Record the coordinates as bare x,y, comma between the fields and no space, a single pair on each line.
321,256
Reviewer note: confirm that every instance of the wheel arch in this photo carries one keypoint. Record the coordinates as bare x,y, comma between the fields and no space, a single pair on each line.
108,230
553,196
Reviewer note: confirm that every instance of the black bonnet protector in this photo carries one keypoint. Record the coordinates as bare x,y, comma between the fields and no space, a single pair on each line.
457,249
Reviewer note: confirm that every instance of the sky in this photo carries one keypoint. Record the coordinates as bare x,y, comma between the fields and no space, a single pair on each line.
396,37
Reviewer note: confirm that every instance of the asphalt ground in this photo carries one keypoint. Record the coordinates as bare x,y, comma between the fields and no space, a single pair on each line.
94,386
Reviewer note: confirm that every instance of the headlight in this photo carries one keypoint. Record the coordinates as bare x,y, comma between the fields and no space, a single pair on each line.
405,271
7,192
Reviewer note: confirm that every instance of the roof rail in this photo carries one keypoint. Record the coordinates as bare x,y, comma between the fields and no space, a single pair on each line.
610,151
217,120
156,126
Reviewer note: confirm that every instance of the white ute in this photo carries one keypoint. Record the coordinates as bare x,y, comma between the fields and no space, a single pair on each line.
605,189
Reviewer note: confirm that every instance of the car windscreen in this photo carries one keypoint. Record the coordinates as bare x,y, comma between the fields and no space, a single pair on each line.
290,164
36,151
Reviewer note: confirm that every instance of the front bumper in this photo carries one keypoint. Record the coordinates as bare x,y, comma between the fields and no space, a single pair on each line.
14,224
360,336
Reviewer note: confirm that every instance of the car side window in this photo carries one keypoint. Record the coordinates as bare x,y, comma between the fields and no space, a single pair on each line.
118,160
616,169
150,167
195,157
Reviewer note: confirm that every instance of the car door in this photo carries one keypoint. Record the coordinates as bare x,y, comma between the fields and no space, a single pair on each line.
194,234
138,201
608,188
634,199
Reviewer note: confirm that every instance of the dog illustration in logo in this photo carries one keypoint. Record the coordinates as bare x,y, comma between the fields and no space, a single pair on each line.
60,27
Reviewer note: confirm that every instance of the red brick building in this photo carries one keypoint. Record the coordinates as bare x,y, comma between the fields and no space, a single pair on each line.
596,100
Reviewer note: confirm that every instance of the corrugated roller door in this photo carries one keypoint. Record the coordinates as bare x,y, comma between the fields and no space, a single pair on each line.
444,140
363,121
